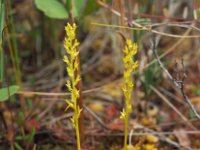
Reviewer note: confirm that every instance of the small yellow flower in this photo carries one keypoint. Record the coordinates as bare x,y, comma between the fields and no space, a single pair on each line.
151,138
136,148
149,147
122,115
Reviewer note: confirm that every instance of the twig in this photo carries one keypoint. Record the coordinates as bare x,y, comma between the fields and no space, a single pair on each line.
169,94
156,133
178,84
33,93
172,106
162,66
95,116
56,119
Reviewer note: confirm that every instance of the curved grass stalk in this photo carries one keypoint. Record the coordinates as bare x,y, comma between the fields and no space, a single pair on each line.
118,26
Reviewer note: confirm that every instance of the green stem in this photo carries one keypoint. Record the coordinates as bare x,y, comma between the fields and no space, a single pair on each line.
78,135
15,46
126,130
76,112
1,67
2,22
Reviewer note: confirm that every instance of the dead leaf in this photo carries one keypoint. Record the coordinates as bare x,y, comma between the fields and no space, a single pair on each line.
111,112
196,101
116,125
32,124
97,107
182,137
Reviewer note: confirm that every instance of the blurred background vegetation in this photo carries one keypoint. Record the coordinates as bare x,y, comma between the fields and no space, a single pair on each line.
33,76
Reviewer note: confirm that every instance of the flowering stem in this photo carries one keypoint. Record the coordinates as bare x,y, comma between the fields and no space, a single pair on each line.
78,135
129,67
72,62
125,132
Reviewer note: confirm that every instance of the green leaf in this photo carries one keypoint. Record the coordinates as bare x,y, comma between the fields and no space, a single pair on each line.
30,136
2,24
52,8
91,6
19,137
78,7
20,118
151,76
82,8
18,147
197,91
5,93
160,119
29,103
191,114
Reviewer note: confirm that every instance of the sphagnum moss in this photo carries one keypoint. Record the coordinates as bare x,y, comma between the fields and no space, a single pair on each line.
129,67
70,45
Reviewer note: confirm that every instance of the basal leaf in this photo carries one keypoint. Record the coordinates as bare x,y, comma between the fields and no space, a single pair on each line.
6,92
52,8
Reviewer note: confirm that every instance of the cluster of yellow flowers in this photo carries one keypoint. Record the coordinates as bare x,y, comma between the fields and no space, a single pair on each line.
70,45
129,67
